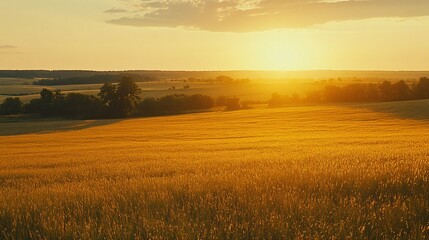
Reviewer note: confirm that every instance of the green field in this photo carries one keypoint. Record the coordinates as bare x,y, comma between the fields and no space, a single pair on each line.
327,172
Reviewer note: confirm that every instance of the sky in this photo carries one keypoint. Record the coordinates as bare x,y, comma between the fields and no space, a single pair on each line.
214,34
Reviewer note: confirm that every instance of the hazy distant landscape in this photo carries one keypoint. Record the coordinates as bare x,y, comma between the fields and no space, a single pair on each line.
259,85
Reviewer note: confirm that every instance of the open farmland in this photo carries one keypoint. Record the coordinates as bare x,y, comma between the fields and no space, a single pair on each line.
351,171
255,91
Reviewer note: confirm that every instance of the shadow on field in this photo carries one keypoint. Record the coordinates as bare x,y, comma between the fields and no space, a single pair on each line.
417,109
11,128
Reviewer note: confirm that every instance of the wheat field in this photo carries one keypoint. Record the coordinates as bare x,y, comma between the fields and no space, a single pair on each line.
313,172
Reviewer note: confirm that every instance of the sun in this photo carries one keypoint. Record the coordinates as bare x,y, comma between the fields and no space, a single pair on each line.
280,54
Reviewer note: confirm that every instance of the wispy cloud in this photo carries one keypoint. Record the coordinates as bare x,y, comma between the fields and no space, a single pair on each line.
116,10
259,15
7,47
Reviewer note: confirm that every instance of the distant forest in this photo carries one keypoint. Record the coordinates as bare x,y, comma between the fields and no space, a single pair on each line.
95,79
115,100
30,74
385,91
161,75
114,78
151,74
122,99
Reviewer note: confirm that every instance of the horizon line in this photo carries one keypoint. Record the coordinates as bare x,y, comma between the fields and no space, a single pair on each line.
218,70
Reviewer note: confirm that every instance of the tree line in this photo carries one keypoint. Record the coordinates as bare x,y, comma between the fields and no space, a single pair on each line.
115,100
32,74
122,99
385,91
95,79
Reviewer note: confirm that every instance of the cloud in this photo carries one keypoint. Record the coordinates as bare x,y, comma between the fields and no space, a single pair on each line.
7,47
116,10
259,15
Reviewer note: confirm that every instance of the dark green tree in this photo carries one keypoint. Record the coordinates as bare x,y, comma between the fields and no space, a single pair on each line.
80,106
11,106
128,95
107,93
120,100
49,103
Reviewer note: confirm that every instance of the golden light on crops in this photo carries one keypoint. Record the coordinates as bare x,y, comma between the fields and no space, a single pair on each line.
307,172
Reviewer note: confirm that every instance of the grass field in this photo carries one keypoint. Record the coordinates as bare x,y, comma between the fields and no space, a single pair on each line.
327,172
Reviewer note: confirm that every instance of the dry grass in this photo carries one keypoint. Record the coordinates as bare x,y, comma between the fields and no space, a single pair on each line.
304,172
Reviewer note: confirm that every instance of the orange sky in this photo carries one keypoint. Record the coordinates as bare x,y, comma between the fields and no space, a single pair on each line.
214,34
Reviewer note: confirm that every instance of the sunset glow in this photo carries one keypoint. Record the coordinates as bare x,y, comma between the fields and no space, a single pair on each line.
214,119
214,35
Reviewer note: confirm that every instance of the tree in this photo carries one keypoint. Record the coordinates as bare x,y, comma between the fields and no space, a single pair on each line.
78,105
231,103
49,103
120,100
128,93
107,93
333,94
173,104
385,89
314,96
371,93
354,92
11,106
149,107
421,89
278,100
199,101
401,91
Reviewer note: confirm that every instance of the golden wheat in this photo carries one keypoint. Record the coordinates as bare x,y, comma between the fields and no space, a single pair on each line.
322,172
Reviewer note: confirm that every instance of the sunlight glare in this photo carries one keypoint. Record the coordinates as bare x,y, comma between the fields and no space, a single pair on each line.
278,54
